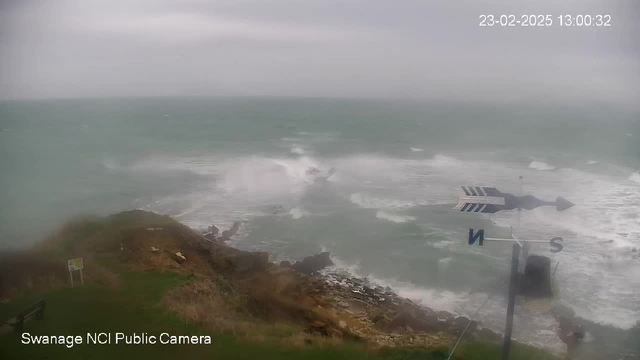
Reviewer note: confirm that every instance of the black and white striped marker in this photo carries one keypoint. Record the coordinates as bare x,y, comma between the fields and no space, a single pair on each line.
482,199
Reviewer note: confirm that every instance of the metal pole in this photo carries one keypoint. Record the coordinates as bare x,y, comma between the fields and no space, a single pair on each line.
515,256
525,246
71,277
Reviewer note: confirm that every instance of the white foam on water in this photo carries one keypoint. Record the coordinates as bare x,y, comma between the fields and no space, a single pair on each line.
436,299
635,177
290,139
238,187
297,150
415,149
445,261
318,137
264,176
596,274
366,201
609,315
381,214
443,244
298,212
441,160
594,277
593,162
160,164
338,264
534,328
540,165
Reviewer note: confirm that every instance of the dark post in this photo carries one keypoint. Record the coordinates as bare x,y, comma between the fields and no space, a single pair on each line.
515,255
40,313
20,324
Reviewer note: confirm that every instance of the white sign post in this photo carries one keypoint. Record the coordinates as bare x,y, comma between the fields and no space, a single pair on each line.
76,265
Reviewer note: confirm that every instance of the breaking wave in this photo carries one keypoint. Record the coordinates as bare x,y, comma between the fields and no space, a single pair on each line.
443,161
297,150
635,177
539,165
298,212
456,302
393,217
371,202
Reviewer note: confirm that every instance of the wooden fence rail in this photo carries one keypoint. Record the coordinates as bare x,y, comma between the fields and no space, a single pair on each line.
36,310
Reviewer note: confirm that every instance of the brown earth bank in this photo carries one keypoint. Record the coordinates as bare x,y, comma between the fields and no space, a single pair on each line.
232,290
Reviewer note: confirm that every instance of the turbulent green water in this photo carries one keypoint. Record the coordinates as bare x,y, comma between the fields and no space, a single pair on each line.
386,211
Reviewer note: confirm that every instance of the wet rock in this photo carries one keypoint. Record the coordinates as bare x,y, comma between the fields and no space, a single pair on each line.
444,316
313,263
409,329
368,290
285,263
213,230
227,234
211,233
461,322
416,319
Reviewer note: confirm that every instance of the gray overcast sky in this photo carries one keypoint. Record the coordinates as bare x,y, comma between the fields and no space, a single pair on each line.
329,48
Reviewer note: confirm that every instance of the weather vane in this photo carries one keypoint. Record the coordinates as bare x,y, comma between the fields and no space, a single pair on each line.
489,200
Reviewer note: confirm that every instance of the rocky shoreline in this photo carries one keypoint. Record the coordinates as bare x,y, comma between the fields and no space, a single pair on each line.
387,319
393,320
380,316
363,310
244,293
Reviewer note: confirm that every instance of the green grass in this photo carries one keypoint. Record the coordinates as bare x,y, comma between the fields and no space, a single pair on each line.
133,307
482,351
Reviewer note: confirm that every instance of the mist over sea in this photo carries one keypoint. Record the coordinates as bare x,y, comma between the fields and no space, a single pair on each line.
384,211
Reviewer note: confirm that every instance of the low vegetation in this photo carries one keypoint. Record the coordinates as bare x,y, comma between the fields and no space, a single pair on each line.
130,289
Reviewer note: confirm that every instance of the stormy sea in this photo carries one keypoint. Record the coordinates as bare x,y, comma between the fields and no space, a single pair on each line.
372,182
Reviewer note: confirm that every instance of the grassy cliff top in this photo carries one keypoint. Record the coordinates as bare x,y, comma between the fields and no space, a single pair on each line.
250,307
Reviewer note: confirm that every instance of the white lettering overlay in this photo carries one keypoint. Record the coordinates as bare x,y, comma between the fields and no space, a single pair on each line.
115,338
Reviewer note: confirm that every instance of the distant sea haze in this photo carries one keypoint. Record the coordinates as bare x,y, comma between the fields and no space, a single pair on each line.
372,182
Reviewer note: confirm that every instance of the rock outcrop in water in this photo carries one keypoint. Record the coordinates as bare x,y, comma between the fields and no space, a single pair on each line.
227,234
310,264
212,232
